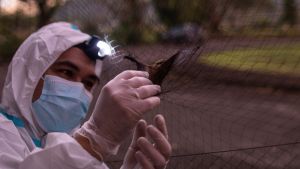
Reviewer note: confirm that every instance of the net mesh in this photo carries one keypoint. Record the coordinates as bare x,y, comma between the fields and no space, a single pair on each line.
230,101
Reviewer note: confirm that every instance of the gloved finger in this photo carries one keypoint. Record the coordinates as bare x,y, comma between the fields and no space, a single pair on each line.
136,82
148,104
140,131
148,91
160,141
128,74
143,160
160,123
158,160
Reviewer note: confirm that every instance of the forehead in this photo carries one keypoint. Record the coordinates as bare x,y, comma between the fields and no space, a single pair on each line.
77,57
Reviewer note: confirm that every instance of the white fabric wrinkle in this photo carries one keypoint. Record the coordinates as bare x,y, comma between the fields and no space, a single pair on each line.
31,60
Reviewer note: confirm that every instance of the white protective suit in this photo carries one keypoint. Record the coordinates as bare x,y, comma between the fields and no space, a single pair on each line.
20,136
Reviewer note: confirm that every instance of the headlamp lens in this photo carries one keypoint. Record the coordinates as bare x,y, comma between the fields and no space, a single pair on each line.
96,48
105,49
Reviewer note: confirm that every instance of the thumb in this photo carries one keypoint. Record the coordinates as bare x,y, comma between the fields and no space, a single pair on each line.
140,131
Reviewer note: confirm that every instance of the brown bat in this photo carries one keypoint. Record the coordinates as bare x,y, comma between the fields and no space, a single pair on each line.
158,70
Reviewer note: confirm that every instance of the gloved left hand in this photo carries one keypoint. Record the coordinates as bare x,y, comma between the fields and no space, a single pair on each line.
142,154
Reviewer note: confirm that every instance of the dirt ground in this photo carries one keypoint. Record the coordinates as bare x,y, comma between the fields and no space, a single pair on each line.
225,119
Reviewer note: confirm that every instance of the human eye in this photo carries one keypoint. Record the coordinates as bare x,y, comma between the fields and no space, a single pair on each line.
66,73
89,84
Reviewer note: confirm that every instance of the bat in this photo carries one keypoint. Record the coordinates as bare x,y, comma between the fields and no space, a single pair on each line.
158,70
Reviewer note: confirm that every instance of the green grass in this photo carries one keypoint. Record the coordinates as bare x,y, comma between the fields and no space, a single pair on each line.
263,32
283,59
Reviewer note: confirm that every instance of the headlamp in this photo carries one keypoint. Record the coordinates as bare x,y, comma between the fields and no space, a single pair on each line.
96,48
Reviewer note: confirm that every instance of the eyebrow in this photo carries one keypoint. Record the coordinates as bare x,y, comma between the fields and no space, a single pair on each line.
67,63
73,66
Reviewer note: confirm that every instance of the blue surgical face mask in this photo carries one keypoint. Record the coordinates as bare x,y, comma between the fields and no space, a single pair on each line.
62,105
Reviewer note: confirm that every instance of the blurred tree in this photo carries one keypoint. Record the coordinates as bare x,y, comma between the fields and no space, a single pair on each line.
290,12
214,13
10,34
173,12
204,12
46,9
125,20
142,21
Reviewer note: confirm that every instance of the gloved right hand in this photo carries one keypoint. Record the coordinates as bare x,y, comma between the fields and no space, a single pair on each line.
150,147
121,104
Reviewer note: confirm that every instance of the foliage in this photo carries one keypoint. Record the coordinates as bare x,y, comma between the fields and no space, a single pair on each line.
46,9
209,13
8,45
138,25
13,30
245,4
129,33
290,12
174,12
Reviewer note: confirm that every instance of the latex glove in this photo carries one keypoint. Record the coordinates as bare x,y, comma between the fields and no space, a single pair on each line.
121,104
142,154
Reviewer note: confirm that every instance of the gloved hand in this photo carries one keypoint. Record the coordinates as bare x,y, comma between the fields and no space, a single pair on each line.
142,154
121,104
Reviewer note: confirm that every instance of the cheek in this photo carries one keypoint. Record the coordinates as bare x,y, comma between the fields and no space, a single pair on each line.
38,91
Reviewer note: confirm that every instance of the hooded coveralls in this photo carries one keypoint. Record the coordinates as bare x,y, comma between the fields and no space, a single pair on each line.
23,144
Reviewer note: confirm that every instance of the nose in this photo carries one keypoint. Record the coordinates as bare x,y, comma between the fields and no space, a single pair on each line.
78,79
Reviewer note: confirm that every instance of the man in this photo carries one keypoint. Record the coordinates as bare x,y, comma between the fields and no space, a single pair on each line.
46,96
